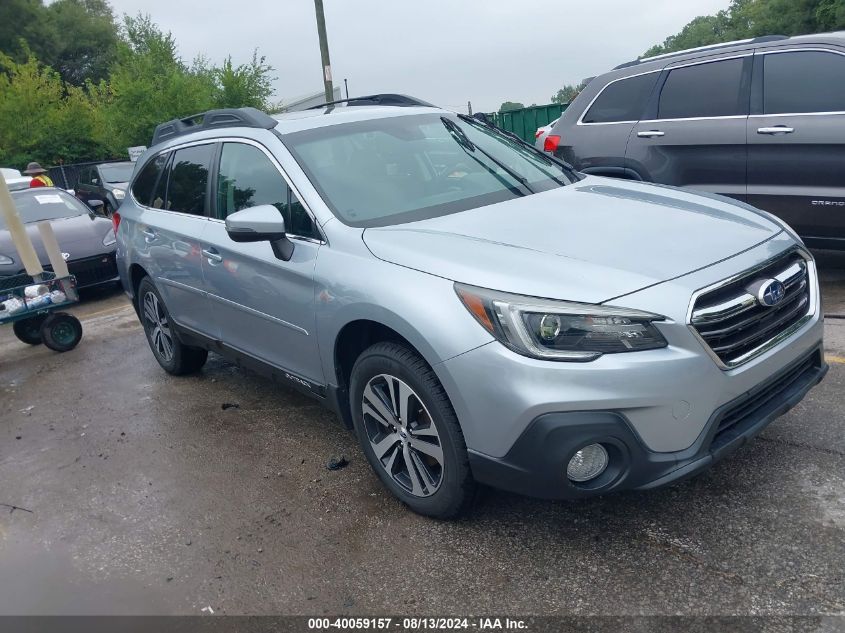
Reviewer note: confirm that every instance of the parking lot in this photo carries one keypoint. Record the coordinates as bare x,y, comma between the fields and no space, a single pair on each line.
137,492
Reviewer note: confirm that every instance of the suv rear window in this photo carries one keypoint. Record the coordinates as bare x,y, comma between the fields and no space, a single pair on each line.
622,100
146,181
189,179
703,90
808,81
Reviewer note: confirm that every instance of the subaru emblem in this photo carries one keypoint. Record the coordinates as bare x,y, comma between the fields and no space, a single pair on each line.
771,293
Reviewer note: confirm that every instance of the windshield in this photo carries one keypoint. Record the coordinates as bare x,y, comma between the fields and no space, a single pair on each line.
117,173
35,205
407,168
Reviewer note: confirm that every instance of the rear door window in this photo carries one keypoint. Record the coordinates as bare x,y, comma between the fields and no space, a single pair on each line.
622,100
188,181
806,81
704,90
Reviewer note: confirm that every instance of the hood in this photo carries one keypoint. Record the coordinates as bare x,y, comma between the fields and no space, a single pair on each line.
80,237
591,241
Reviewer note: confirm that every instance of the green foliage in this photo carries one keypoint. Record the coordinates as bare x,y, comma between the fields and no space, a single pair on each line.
87,40
567,93
40,118
507,106
75,87
753,18
244,85
150,84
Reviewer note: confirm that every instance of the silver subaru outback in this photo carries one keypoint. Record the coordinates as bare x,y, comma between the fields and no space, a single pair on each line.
477,311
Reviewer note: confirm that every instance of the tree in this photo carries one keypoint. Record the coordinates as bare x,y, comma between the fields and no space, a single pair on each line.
25,30
245,85
753,18
508,106
567,93
41,118
151,84
87,40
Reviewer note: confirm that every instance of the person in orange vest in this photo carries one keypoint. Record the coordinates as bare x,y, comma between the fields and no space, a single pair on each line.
39,176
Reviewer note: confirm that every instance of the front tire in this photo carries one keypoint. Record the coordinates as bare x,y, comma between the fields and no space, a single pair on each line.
174,357
409,431
61,332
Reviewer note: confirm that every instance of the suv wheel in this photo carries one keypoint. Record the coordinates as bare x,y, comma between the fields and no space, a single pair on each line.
175,357
409,431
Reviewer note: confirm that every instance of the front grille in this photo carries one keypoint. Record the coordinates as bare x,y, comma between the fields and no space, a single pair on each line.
737,326
746,413
92,270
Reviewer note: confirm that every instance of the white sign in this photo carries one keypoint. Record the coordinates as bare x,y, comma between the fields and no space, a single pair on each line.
52,198
136,152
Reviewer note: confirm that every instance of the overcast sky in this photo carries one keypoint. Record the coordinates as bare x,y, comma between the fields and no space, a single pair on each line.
446,52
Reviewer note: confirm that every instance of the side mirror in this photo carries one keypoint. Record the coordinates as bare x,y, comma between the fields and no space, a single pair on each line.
97,206
263,223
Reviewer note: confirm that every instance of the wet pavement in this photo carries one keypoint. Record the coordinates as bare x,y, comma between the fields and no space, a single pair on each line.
140,493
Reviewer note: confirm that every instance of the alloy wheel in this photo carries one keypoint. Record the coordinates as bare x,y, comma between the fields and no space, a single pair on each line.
402,435
158,327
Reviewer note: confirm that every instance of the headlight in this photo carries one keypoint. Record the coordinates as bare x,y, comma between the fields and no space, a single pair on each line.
109,238
560,330
119,194
6,261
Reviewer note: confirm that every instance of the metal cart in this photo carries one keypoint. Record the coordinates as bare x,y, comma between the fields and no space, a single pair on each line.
32,306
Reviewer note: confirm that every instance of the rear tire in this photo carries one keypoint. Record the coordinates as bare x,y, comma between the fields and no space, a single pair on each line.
61,332
174,356
29,330
409,431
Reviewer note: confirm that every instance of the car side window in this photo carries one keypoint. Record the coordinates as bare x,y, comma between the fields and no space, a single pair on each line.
805,81
146,181
712,89
248,178
188,179
622,100
85,176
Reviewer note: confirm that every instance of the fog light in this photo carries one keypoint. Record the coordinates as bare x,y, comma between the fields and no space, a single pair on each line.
588,463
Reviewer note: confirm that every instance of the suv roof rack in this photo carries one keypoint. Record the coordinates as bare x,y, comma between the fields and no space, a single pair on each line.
752,40
401,101
230,117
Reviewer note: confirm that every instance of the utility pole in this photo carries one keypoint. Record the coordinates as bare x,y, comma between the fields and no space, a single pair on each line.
346,85
469,108
324,50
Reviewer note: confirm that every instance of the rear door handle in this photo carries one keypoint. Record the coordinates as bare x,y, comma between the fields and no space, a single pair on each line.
212,255
651,134
778,129
149,235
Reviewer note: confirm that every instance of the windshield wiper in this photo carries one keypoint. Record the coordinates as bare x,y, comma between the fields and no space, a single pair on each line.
551,160
469,147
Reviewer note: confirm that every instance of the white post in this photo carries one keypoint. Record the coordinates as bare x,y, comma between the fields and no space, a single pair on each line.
20,238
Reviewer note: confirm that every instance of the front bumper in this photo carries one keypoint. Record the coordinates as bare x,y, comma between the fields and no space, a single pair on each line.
536,464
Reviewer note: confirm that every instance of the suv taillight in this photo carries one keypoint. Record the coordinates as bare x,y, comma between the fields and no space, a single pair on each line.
551,143
115,221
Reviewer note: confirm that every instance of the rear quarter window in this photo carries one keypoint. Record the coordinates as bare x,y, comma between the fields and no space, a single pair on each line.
146,181
622,100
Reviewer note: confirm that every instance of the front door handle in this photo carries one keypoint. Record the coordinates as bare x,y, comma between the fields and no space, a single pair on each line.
212,255
778,129
149,235
651,134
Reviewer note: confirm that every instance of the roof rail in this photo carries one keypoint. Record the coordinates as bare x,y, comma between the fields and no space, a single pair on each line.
401,101
752,40
230,117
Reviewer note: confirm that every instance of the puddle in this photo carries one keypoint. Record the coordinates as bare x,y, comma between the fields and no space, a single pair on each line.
36,580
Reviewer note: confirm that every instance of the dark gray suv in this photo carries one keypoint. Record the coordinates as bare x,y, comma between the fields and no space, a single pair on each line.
761,121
